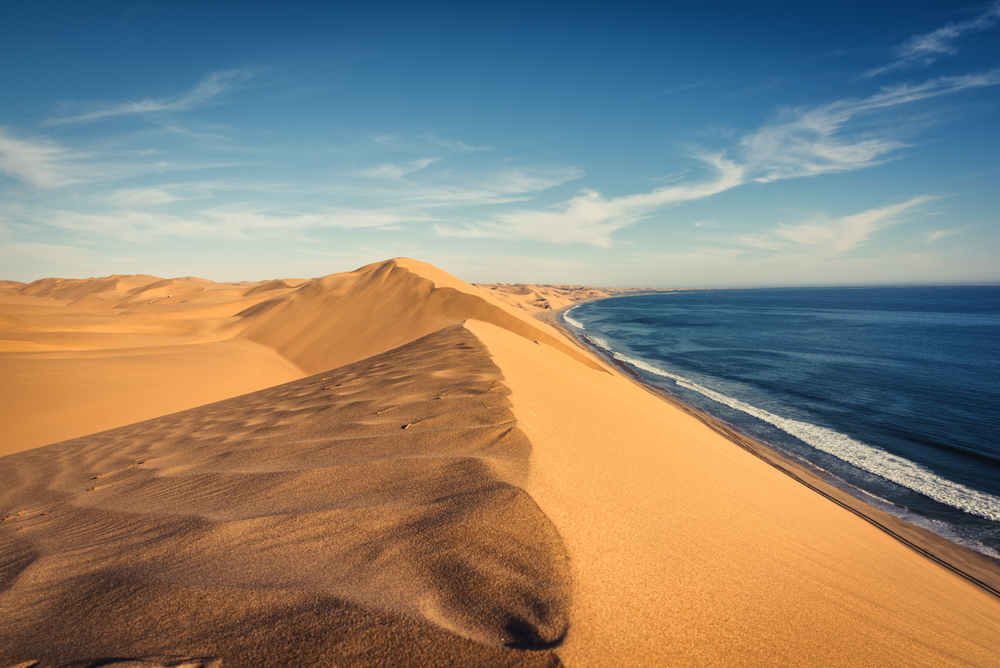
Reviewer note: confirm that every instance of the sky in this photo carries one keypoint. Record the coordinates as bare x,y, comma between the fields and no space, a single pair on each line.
714,144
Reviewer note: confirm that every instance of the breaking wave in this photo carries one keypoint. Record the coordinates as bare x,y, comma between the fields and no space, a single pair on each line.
867,457
575,323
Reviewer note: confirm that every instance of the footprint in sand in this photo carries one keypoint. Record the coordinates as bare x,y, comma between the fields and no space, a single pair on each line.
136,462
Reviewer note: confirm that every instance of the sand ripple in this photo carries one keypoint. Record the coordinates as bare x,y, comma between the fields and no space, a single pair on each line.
371,515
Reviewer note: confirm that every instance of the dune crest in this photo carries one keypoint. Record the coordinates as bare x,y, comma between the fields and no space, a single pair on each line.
346,317
77,355
385,494
461,485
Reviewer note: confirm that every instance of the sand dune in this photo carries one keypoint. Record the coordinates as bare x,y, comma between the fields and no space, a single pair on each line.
342,318
82,355
372,513
459,485
550,298
79,356
687,550
269,286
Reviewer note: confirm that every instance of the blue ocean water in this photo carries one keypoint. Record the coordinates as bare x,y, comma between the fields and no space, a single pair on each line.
893,391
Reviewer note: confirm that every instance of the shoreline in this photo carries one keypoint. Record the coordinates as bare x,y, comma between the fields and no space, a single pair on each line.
447,481
965,562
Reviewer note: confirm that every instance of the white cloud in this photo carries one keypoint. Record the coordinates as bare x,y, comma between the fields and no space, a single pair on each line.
922,50
843,234
217,223
802,142
455,144
931,237
236,209
38,162
591,218
393,171
761,242
496,187
448,188
809,141
208,88
132,197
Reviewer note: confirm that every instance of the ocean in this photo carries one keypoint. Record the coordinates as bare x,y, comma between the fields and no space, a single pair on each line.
893,392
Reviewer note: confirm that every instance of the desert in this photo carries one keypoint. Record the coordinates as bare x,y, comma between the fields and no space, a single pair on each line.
435,334
391,466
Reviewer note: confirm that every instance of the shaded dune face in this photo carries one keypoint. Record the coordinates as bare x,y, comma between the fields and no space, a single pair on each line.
370,515
318,326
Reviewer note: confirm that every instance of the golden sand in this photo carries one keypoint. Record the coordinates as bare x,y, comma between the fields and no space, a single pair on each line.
421,474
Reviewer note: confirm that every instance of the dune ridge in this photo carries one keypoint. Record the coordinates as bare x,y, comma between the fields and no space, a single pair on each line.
77,355
464,486
317,326
383,496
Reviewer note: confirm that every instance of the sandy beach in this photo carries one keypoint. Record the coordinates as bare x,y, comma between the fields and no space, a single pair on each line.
394,467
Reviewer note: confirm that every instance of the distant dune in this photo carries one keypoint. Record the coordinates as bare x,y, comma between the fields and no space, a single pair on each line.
393,467
534,298
83,355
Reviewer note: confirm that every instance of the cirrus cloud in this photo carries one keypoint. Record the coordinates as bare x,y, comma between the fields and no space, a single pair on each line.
212,86
922,50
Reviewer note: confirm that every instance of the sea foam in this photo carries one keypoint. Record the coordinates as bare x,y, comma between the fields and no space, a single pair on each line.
862,455
575,323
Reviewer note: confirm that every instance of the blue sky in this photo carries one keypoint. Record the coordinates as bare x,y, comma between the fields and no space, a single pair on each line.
640,145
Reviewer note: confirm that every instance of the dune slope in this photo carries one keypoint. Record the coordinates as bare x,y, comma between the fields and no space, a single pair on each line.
345,317
79,356
690,551
372,515
460,486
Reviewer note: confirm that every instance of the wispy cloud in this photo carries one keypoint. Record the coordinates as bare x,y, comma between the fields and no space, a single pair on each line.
235,222
394,171
205,91
487,188
454,144
18,256
591,218
144,197
38,162
922,50
935,235
674,90
448,188
843,234
390,196
808,141
762,242
800,142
